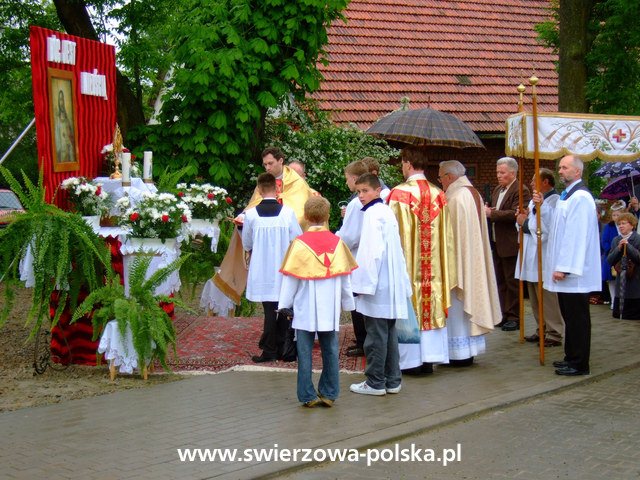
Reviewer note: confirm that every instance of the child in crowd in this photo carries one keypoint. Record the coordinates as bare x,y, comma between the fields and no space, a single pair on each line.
374,167
268,230
350,234
317,286
382,286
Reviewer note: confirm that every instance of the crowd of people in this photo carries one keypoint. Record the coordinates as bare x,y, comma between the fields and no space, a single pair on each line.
425,271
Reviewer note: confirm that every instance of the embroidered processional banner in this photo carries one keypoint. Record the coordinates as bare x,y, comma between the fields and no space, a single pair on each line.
608,137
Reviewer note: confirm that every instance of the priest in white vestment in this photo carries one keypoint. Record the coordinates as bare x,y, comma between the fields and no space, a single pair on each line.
475,305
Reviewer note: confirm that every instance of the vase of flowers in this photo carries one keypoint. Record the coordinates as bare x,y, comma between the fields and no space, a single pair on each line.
156,215
209,204
88,199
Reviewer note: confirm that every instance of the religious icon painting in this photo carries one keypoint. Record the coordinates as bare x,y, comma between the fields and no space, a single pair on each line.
64,131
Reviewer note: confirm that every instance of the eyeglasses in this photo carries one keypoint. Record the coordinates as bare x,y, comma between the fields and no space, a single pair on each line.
440,177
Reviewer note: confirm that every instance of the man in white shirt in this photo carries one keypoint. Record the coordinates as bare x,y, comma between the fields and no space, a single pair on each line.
574,264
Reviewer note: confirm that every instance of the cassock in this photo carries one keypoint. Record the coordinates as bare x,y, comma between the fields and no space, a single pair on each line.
475,302
316,280
427,241
381,280
267,238
224,291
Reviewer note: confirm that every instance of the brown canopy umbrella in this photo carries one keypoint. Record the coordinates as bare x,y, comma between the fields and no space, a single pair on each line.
425,127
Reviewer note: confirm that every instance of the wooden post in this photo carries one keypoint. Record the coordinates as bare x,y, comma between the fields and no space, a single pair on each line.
536,156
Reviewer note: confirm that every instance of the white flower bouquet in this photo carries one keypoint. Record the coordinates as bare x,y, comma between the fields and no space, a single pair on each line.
206,201
88,198
157,215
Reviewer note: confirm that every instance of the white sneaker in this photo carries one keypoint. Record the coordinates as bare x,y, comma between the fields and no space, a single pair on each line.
395,389
365,389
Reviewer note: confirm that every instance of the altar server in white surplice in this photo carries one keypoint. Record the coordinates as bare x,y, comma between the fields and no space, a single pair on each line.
350,234
382,285
574,264
528,272
267,232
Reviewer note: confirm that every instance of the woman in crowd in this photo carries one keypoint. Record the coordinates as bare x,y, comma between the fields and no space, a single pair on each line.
626,244
609,232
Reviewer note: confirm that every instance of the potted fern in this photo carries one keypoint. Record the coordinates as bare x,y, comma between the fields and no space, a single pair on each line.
66,255
152,331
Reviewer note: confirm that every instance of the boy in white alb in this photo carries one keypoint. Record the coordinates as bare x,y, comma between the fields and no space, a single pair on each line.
350,234
267,231
317,286
382,288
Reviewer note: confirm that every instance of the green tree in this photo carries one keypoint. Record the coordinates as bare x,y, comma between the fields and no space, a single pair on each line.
235,59
598,42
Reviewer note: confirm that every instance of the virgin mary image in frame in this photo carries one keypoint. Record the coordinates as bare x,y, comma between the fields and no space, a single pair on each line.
63,125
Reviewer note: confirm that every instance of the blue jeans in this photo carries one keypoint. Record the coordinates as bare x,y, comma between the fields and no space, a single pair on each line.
329,384
383,357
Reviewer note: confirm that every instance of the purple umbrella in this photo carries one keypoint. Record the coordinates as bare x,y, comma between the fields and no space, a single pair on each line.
617,169
621,187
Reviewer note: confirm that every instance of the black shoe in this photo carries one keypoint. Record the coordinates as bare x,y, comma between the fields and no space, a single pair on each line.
262,359
467,362
571,372
535,338
510,326
501,324
424,369
355,352
561,364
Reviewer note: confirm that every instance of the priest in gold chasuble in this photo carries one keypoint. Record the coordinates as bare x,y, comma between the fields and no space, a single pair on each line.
292,191
427,241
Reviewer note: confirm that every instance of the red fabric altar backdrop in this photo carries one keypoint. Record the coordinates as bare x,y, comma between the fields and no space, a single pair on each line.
94,116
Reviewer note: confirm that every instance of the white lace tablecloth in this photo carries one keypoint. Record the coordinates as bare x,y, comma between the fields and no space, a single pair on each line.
117,350
206,228
163,255
116,191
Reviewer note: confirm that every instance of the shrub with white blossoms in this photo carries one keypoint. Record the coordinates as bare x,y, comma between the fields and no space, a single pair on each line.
206,201
157,215
88,198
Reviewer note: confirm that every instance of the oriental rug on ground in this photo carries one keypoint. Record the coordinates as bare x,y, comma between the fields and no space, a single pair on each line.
215,344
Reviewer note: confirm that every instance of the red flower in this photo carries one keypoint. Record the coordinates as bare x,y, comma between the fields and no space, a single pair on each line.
165,218
181,194
228,200
184,219
98,191
210,196
134,216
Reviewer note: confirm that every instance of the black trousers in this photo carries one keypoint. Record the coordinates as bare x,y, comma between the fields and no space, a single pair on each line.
357,319
273,332
508,287
577,320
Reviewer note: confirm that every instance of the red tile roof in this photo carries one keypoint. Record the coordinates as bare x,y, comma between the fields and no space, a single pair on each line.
463,57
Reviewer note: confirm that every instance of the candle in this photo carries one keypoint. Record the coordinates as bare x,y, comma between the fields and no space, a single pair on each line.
126,168
147,168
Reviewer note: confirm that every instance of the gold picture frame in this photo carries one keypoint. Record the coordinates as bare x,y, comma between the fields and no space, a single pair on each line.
63,115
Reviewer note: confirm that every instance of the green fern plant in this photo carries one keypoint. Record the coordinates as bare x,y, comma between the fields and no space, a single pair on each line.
67,255
152,330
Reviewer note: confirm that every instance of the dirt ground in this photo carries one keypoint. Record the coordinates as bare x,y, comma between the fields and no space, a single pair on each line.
21,387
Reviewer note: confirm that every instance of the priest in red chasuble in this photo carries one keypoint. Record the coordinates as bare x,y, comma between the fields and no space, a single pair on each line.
427,241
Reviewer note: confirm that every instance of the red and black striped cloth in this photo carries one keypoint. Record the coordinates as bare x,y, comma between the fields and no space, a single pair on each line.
72,343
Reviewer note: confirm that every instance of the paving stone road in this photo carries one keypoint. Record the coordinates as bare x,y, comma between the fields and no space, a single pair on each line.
590,432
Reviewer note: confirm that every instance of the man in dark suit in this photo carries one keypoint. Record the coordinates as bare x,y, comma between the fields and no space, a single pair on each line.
504,235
